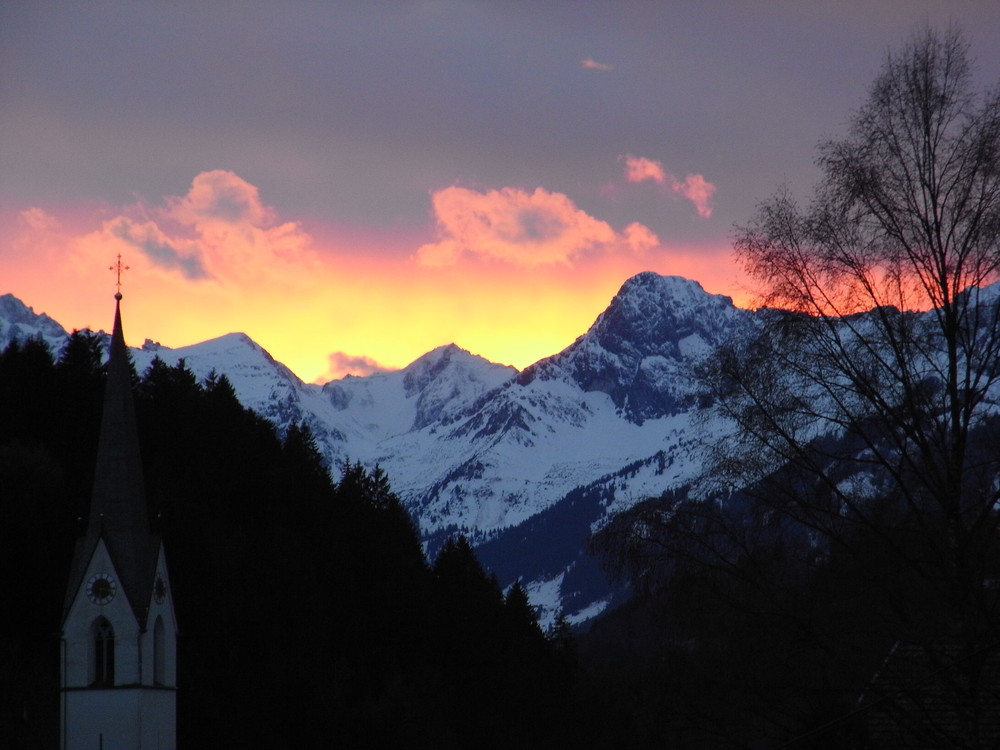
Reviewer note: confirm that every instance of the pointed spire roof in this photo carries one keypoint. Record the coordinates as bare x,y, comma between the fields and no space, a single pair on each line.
118,512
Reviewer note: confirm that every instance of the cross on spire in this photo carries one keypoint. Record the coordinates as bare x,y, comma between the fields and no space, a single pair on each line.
118,268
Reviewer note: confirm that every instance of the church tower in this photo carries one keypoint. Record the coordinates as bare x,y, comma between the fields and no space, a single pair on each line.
119,633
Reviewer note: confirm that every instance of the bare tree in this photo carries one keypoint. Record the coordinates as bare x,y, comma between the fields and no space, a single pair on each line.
873,376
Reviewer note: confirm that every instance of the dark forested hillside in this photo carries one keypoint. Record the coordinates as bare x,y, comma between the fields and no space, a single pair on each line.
749,628
308,613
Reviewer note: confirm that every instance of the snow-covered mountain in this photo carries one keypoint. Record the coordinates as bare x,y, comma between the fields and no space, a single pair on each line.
526,463
640,351
18,321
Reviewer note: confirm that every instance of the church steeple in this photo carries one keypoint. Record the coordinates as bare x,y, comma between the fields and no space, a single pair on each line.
119,632
118,513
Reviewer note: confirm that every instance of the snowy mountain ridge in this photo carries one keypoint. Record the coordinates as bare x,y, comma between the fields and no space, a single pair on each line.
527,464
18,321
476,447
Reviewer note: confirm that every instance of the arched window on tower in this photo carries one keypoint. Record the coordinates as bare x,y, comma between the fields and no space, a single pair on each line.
103,651
159,655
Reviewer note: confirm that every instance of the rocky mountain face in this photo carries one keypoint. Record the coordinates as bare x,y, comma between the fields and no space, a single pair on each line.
526,463
641,349
18,321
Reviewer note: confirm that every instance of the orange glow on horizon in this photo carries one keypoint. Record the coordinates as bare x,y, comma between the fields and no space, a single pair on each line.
389,311
217,261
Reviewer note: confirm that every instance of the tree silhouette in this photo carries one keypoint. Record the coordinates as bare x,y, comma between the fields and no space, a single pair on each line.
872,384
848,526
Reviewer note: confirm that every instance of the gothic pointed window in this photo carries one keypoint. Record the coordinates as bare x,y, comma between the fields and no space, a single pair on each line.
159,656
103,638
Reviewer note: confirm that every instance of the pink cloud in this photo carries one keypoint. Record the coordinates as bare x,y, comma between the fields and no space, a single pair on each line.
639,168
640,238
513,225
220,229
37,220
220,196
591,64
342,363
694,187
698,190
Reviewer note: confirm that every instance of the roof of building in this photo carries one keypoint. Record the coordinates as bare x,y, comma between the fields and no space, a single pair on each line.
941,693
118,513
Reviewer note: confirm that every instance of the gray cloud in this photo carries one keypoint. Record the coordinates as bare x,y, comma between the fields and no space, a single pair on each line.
155,245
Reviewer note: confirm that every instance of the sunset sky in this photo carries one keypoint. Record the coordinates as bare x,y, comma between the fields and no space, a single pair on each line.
355,183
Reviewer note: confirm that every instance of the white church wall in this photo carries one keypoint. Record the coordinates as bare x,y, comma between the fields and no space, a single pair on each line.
119,716
164,610
78,633
97,720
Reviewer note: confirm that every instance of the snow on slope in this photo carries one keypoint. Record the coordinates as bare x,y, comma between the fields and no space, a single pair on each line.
622,392
527,464
20,322
475,446
261,382
641,351
430,390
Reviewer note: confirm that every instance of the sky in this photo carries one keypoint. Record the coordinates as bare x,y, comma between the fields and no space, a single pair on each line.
353,184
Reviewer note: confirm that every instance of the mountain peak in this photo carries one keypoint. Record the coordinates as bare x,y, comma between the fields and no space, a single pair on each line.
18,321
641,349
447,378
675,289
442,353
12,309
448,356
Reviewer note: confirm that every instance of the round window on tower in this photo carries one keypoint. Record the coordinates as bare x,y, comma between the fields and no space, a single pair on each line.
159,589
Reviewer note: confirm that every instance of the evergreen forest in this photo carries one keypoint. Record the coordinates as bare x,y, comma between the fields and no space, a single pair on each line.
309,616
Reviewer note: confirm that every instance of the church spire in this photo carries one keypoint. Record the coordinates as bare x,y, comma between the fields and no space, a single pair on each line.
118,629
118,512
